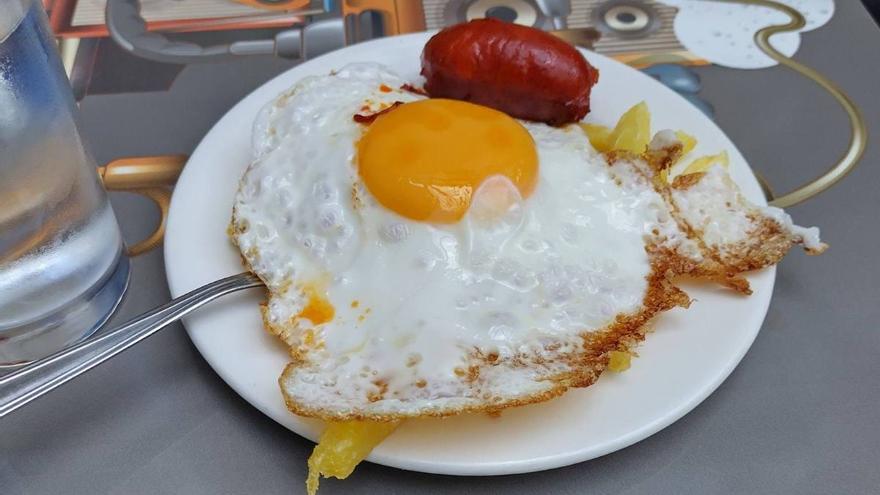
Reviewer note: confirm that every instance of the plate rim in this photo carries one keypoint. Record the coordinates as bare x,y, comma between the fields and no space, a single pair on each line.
535,464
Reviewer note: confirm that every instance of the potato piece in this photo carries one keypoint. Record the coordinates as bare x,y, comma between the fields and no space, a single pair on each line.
619,361
688,142
598,136
633,133
703,163
343,446
633,130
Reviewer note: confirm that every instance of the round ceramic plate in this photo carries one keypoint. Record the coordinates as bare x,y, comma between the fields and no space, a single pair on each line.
687,356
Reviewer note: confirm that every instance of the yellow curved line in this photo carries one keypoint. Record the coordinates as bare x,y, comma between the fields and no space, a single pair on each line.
859,132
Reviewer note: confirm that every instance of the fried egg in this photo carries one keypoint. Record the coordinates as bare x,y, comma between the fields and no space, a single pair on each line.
445,257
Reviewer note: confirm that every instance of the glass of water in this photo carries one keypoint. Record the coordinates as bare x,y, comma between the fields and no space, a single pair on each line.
62,265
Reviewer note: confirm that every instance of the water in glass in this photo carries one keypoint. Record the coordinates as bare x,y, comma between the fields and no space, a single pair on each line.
62,267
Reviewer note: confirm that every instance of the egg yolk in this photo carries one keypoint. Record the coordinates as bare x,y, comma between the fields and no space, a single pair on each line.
425,159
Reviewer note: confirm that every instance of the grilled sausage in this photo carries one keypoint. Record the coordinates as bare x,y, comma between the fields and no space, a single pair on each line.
523,71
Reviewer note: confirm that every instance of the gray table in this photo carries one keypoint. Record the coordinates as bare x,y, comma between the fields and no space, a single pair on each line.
801,413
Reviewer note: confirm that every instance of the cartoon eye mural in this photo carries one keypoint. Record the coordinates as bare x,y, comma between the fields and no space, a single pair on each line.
626,19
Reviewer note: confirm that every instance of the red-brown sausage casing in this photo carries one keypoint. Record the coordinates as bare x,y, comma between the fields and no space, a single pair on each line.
525,72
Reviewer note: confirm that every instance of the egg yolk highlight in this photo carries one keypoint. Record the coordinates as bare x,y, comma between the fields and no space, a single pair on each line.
425,159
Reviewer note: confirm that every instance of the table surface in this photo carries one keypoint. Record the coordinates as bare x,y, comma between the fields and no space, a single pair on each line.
799,415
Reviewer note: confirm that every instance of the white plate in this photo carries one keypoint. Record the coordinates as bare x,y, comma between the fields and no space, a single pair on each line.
683,361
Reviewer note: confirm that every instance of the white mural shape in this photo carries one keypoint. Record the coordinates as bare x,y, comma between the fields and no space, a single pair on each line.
724,33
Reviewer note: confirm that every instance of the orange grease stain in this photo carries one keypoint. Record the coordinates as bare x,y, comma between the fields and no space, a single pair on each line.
385,89
318,309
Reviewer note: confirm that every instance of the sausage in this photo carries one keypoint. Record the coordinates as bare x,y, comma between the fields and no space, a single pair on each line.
522,71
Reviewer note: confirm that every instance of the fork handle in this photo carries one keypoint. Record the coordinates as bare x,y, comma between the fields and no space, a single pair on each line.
32,381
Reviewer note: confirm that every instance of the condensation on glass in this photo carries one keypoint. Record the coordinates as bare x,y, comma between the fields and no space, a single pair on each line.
62,267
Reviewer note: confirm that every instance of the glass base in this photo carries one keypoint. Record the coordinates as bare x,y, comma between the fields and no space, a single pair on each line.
73,322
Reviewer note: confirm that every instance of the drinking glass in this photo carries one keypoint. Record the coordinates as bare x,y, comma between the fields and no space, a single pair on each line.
62,264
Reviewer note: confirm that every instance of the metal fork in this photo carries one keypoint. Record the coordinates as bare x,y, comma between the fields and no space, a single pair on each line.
42,376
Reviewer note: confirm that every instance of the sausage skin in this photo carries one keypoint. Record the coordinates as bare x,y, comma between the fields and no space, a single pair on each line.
522,71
